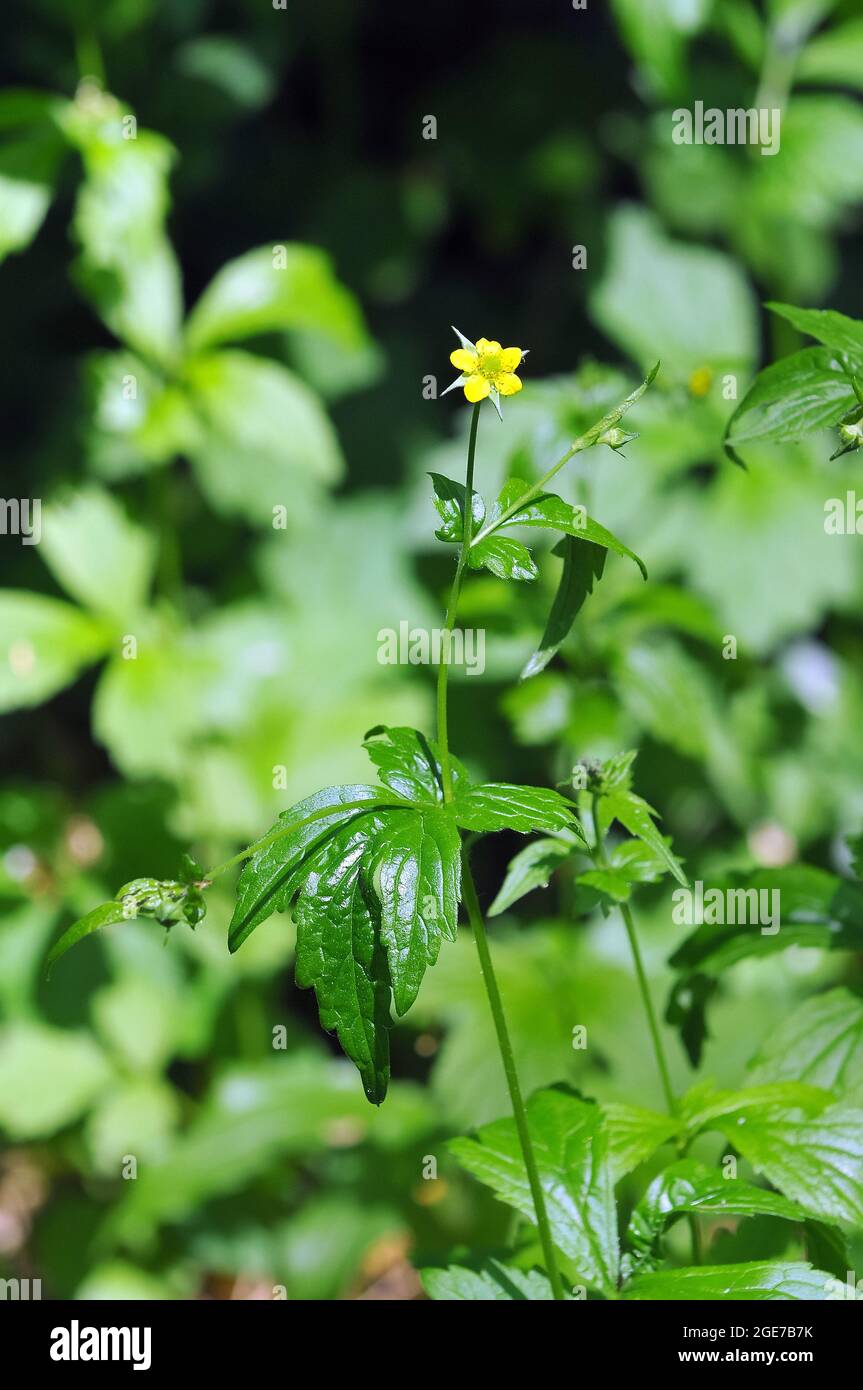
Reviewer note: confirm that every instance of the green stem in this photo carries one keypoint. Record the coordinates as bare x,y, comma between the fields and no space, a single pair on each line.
470,897
88,56
652,1024
452,607
601,857
644,988
170,558
475,917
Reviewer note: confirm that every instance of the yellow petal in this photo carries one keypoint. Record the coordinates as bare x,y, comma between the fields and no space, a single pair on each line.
487,345
476,388
464,360
507,383
510,358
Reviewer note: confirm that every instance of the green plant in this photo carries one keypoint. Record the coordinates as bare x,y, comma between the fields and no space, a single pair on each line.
735,672
374,875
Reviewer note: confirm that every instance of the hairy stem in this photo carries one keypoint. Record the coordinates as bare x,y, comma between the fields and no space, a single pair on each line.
452,607
475,917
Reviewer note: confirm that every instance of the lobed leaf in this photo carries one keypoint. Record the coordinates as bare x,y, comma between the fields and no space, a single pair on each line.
637,817
834,330
415,868
810,390
449,499
502,806
571,1147
531,868
692,1187
763,1281
504,557
492,1282
409,763
816,1160
340,953
820,1042
266,882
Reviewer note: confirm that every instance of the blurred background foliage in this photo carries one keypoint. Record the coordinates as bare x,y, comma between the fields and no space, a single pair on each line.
147,259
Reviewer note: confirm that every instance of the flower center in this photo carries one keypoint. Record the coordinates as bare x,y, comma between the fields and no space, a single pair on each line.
490,364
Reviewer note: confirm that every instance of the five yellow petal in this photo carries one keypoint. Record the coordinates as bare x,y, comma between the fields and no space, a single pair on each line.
487,369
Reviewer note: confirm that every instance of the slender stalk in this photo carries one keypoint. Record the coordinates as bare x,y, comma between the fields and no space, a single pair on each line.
475,917
652,1024
452,607
601,857
472,902
644,988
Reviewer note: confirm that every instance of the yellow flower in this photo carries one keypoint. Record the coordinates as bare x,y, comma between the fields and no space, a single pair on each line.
486,368
699,381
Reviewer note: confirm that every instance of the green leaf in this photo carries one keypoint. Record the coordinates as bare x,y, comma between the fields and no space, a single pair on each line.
340,953
763,1281
820,1042
99,556
449,504
704,1105
102,916
834,56
505,557
415,870
644,302
135,418
692,1187
637,817
491,1282
658,39
230,67
28,167
285,286
44,643
634,1135
264,434
583,562
818,910
834,330
531,868
810,390
502,806
816,1160
377,883
552,513
127,267
267,879
608,882
409,764
571,1148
